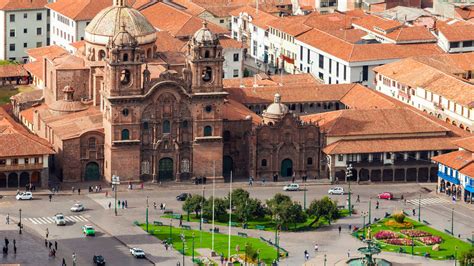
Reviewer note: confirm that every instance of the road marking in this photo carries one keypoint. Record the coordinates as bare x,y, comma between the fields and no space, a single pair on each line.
51,220
428,201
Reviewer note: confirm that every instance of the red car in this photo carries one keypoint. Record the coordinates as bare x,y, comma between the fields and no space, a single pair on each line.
386,195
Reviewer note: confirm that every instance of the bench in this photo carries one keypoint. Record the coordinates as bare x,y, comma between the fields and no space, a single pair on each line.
242,234
260,227
426,222
216,230
157,223
447,231
205,221
187,227
176,216
136,223
234,224
168,212
470,240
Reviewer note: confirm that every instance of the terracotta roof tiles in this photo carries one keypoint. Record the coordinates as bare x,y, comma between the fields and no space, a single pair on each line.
463,161
12,70
79,10
458,33
8,5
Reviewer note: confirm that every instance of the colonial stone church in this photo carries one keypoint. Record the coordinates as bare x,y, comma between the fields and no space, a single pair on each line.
114,109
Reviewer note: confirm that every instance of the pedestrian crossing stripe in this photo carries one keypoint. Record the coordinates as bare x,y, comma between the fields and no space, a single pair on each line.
428,201
50,220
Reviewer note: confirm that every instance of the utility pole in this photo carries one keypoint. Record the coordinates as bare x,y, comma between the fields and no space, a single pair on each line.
452,221
171,230
304,201
183,239
19,224
193,247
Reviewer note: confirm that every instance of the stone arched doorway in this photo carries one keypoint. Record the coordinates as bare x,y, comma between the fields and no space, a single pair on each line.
92,172
364,174
36,178
165,169
286,169
227,166
3,180
13,180
24,179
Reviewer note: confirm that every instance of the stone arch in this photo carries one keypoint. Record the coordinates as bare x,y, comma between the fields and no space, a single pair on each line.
286,168
227,166
165,169
125,134
92,172
461,126
24,179
376,175
36,178
423,174
12,180
387,175
439,116
101,55
364,174
411,174
340,175
448,120
3,180
400,175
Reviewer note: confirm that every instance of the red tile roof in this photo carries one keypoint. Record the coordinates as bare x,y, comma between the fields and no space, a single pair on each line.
16,141
466,143
46,51
8,5
12,71
165,42
463,161
235,111
227,42
79,10
458,33
260,19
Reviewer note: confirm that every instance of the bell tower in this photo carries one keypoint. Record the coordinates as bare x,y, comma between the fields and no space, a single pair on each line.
205,61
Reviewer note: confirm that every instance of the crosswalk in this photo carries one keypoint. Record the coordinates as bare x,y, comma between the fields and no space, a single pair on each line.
428,201
50,220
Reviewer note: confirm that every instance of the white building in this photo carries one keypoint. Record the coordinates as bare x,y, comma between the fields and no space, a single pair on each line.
69,19
24,25
233,55
456,38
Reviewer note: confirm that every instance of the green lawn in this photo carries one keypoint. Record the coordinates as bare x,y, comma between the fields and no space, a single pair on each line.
447,246
7,91
267,222
204,239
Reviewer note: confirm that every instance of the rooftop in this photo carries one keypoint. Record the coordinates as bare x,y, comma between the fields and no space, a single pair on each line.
458,33
79,10
9,5
260,19
463,161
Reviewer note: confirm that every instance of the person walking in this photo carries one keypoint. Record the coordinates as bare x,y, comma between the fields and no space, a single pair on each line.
180,220
377,204
358,198
118,202
126,204
164,206
161,206
7,219
46,243
14,248
306,255
154,205
316,247
350,228
50,197
74,259
340,229
64,262
110,204
78,191
47,233
348,253
56,245
50,244
6,242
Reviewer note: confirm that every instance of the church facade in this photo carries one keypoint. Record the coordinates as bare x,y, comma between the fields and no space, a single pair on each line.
113,109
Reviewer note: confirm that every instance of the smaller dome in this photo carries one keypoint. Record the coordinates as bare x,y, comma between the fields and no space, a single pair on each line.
204,35
276,108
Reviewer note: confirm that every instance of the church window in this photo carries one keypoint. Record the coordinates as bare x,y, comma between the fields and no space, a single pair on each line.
207,74
208,108
149,54
101,55
145,125
207,131
92,143
125,57
207,54
226,135
125,134
309,161
264,162
125,77
184,124
125,112
166,127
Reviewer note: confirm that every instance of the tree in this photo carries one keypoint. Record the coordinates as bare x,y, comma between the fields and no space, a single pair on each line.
239,196
194,204
249,209
324,207
284,211
276,203
220,209
466,258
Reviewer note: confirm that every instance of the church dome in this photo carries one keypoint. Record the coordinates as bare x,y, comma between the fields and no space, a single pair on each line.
277,108
204,36
123,38
110,22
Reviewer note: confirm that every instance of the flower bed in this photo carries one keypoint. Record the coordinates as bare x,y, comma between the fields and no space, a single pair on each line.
399,241
385,234
415,233
430,240
395,224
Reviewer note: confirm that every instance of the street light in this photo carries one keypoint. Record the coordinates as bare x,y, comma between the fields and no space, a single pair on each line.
193,246
364,214
452,221
146,214
348,176
183,239
304,202
171,229
115,183
412,245
246,246
455,255
370,210
19,224
419,209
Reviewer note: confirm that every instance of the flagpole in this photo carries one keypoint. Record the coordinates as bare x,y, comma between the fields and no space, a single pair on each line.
230,214
213,197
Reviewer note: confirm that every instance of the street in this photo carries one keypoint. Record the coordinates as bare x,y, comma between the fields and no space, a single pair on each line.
116,234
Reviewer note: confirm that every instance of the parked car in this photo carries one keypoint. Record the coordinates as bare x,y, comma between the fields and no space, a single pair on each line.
24,196
336,190
137,252
88,230
385,195
183,196
98,260
59,219
78,207
291,187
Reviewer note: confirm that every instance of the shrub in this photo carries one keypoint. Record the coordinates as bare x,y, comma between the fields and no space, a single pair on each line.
395,224
399,217
430,240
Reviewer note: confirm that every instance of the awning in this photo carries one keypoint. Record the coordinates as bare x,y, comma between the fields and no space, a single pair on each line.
448,178
469,188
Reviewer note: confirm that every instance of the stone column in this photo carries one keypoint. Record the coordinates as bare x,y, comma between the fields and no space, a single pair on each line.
405,170
417,173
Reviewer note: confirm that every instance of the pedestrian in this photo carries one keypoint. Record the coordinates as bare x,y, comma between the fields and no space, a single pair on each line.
348,253
340,229
166,246
100,188
164,206
47,233
454,198
74,259
6,242
180,220
64,262
55,245
50,244
414,212
377,204
222,260
14,249
7,219
306,255
78,191
73,190
110,204
316,247
46,243
161,206
358,198
126,204
118,201
154,205
142,185
14,242
106,194
50,197
350,228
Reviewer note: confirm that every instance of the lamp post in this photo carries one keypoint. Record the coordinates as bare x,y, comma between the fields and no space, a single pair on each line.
452,221
193,247
348,176
115,183
245,260
412,246
325,259
19,224
304,196
183,239
455,255
146,214
370,210
276,239
363,225
419,209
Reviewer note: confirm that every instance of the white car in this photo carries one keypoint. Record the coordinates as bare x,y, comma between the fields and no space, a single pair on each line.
291,187
137,252
59,219
24,196
336,190
78,207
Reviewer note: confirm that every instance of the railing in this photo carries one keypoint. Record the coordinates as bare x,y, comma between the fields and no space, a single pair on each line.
15,167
